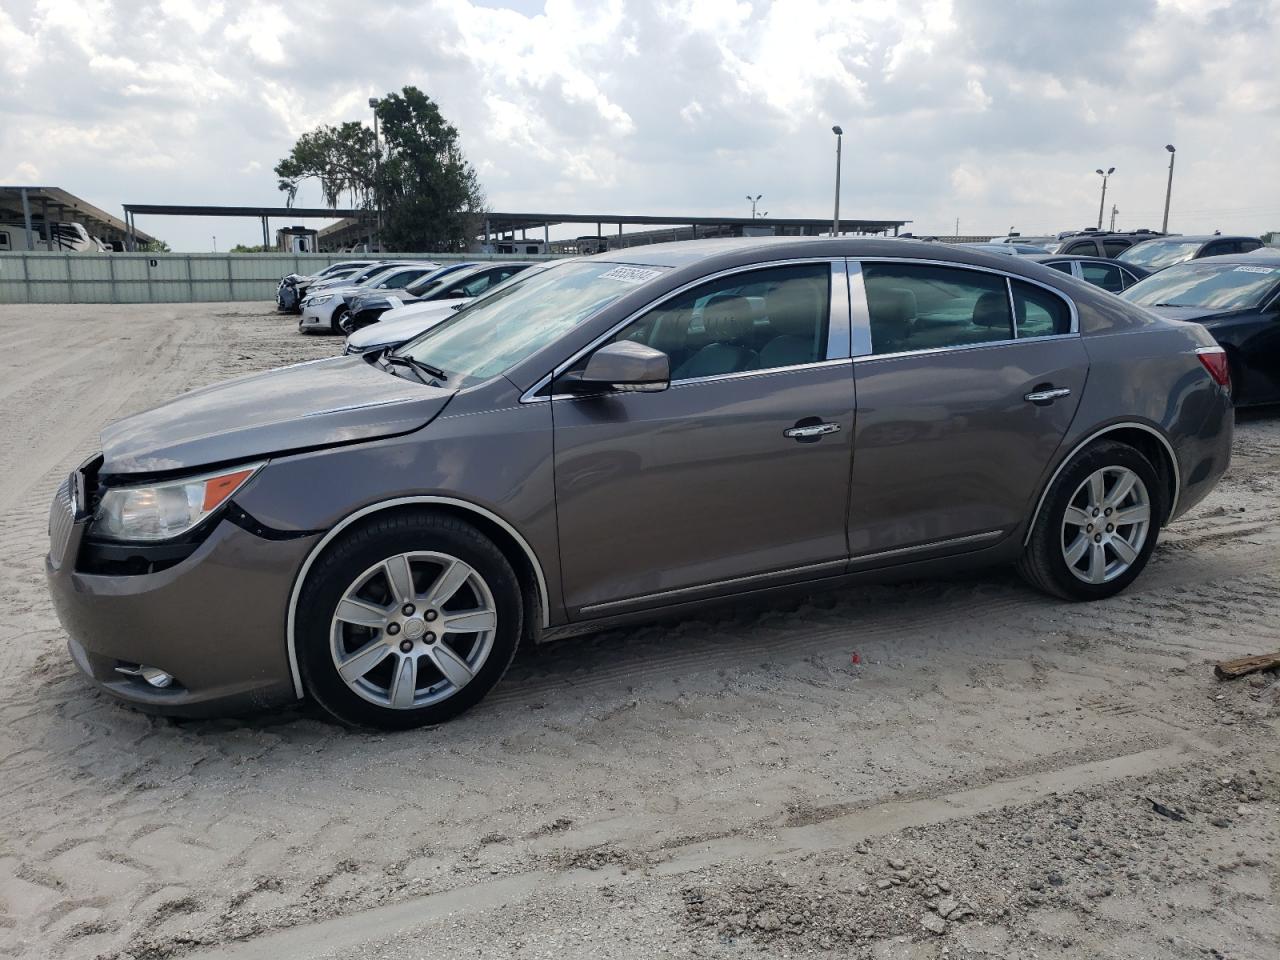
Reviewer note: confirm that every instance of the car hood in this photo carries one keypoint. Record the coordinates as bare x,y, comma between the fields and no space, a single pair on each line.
316,404
1194,314
409,325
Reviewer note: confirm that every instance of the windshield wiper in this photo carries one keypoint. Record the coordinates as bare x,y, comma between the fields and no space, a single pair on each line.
417,366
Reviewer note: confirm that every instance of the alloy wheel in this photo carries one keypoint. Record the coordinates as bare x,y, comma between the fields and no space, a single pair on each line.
1106,524
413,629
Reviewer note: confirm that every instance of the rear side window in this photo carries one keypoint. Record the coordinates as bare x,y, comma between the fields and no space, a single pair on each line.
1247,245
1062,265
1103,275
1087,247
1113,248
1039,312
918,307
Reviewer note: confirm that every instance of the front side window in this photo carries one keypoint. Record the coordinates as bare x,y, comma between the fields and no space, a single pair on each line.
497,332
1203,283
758,320
1039,312
919,307
396,281
1104,275
1113,248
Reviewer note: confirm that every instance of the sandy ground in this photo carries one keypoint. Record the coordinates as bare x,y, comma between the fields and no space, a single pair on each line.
980,784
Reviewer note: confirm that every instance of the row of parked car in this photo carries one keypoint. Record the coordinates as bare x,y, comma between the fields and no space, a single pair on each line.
1229,284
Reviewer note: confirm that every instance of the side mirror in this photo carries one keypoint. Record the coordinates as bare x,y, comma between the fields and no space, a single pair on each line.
624,366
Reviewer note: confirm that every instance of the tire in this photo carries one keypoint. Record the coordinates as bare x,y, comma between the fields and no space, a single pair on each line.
338,318
452,669
1053,561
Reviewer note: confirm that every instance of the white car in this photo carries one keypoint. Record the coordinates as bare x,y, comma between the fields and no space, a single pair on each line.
402,324
325,306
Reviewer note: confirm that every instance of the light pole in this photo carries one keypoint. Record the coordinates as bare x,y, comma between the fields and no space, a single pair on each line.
1103,201
835,219
1168,190
377,169
753,201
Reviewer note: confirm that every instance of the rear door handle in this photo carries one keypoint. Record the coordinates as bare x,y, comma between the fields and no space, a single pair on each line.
1047,395
811,431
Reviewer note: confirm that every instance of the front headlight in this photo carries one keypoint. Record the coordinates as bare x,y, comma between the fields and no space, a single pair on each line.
162,511
323,298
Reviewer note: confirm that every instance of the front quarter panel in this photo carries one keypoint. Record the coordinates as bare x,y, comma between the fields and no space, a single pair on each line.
491,451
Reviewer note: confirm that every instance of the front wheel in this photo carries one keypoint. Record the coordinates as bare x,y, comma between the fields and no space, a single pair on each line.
338,319
408,621
1097,526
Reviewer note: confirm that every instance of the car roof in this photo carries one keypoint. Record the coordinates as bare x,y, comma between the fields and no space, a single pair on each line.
1203,237
1269,256
732,252
1058,257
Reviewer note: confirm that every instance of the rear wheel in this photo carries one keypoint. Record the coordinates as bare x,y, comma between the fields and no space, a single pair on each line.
1098,524
407,622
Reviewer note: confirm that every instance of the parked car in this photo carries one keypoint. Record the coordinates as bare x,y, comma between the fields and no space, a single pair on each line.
373,303
459,286
1157,254
1101,272
292,289
1237,299
326,306
623,437
1007,249
1043,242
1099,243
413,319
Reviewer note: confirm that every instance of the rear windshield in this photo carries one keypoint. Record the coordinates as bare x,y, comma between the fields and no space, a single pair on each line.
500,330
1225,286
1155,254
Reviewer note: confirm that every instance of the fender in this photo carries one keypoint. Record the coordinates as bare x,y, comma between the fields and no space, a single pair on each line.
1111,428
387,505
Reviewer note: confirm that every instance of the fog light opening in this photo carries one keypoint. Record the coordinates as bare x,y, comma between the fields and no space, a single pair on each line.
156,677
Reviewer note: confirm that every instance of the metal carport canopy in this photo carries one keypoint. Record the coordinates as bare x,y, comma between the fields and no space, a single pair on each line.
41,199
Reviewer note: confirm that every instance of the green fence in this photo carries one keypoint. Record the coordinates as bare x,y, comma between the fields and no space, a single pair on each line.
33,277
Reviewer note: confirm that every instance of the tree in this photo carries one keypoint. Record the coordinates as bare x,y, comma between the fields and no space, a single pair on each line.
429,194
341,158
154,246
241,248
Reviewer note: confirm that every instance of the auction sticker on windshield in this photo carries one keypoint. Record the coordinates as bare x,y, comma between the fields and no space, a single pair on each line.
630,274
1257,269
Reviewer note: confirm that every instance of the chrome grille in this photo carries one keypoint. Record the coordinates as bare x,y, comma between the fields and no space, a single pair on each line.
62,517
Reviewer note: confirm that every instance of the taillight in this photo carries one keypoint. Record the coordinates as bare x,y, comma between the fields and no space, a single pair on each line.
1214,360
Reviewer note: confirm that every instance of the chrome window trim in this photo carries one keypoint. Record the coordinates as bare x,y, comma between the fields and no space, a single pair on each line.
739,375
1013,310
1008,277
966,346
290,623
859,314
1123,425
530,395
839,319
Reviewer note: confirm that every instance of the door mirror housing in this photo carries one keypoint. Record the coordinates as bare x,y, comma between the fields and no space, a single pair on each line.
623,366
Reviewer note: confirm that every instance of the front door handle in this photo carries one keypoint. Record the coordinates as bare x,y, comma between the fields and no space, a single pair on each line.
1046,395
811,431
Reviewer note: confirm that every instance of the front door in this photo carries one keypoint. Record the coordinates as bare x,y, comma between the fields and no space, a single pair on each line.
735,476
957,414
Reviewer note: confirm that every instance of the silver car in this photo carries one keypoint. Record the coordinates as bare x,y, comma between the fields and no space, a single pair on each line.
631,434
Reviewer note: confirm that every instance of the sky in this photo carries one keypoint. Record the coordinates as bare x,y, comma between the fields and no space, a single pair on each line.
989,112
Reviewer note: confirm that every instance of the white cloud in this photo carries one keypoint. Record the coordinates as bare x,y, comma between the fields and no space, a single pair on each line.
995,113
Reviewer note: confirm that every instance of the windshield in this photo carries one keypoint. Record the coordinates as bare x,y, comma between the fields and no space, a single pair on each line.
500,330
1155,254
1215,286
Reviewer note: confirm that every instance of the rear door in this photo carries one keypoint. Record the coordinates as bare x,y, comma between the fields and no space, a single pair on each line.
736,475
959,408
